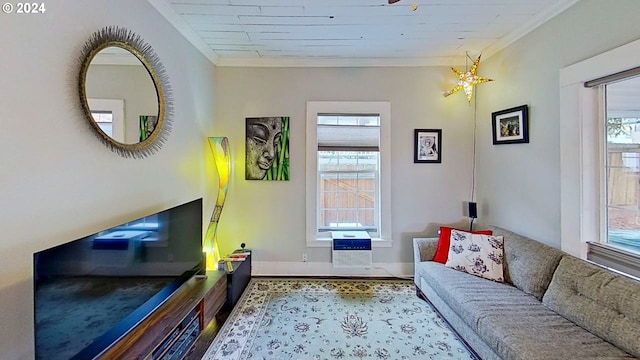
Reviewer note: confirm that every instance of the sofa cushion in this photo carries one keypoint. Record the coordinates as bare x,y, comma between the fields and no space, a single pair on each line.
479,255
524,331
603,302
465,293
516,325
528,264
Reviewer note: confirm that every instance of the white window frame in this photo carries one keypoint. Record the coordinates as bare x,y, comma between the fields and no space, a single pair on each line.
581,147
116,108
314,108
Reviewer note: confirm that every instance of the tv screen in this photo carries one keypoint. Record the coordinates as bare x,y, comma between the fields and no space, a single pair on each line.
91,291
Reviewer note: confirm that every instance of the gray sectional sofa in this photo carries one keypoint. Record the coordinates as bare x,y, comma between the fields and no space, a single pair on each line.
551,306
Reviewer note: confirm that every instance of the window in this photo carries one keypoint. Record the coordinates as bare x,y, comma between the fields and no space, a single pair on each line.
348,165
348,172
109,115
584,202
622,164
597,151
104,119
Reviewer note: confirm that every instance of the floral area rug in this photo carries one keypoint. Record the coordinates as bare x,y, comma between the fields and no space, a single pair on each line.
334,319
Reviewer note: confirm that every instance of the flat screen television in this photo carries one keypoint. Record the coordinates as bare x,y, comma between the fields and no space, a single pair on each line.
91,291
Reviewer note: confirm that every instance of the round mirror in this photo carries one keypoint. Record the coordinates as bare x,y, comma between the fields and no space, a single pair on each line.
124,92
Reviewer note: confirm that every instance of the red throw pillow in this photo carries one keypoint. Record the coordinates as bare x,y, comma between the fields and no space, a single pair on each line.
443,242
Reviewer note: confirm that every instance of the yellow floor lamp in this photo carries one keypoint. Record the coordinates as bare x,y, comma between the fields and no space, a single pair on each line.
220,149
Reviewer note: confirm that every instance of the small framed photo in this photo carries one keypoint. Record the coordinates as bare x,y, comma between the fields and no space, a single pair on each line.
511,126
427,146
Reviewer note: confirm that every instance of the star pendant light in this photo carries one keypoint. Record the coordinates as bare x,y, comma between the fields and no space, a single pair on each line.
467,80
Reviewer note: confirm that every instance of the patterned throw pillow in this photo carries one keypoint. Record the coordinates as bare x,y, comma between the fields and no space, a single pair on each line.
480,255
442,252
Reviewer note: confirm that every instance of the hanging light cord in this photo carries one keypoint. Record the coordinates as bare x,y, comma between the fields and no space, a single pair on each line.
473,163
473,160
475,125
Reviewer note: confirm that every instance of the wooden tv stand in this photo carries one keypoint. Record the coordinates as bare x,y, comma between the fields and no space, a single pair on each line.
176,325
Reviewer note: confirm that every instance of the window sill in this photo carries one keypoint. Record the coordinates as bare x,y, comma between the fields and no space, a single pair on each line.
326,242
615,258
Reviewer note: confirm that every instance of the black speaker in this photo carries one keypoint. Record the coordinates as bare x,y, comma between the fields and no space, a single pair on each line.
473,210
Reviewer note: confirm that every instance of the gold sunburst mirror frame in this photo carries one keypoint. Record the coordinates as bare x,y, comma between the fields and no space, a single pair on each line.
114,36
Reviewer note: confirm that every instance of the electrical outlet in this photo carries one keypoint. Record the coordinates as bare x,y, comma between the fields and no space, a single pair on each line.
304,257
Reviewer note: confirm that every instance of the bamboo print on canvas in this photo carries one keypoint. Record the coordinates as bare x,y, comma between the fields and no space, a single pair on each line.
267,148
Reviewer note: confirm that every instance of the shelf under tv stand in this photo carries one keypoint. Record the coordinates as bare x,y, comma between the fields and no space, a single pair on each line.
183,321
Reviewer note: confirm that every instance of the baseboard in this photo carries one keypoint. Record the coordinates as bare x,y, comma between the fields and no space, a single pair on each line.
272,268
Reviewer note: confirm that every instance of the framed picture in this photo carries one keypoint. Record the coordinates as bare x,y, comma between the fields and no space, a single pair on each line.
510,126
427,146
147,125
267,148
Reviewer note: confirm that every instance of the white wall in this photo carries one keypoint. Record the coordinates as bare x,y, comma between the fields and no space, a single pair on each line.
519,185
270,216
57,181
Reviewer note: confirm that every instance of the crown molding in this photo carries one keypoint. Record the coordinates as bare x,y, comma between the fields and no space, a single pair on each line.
339,62
183,28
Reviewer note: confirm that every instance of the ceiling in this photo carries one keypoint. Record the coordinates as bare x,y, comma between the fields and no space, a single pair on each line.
354,32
